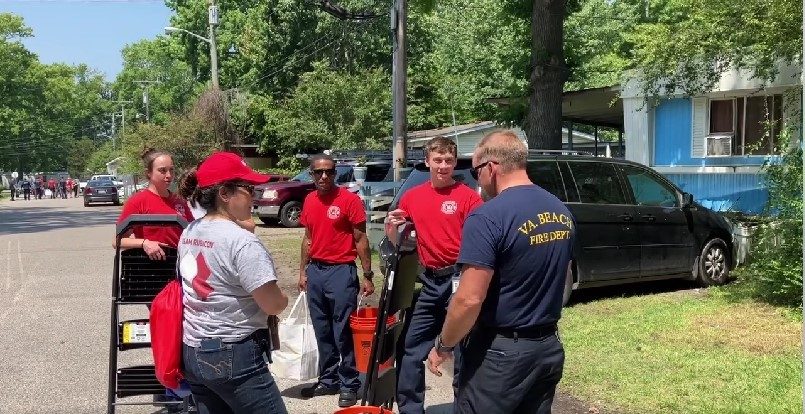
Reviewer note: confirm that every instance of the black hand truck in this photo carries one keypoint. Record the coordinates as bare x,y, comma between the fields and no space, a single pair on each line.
399,278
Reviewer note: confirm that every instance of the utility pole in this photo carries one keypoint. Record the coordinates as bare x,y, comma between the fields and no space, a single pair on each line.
398,85
122,120
213,21
145,84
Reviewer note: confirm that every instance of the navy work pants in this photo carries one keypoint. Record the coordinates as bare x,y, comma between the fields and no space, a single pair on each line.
426,323
504,375
332,295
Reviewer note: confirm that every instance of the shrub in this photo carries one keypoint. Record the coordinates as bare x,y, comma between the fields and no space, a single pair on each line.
775,268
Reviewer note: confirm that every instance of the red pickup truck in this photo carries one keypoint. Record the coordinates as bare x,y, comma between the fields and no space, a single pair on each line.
282,201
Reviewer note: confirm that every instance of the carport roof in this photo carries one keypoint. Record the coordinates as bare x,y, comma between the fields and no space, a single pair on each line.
595,106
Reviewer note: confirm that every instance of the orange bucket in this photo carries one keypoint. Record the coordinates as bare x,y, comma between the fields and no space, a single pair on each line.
364,409
362,322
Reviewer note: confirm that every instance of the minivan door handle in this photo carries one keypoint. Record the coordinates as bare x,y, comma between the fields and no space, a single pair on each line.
626,217
648,217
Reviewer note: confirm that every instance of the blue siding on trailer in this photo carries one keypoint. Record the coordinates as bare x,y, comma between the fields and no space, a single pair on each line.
672,136
672,132
725,191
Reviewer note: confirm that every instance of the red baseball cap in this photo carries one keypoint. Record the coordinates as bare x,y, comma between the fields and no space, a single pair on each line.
225,166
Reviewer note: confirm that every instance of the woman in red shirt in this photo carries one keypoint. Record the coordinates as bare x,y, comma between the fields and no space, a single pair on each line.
156,199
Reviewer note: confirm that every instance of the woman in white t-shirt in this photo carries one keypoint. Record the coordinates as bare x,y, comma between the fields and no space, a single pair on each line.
230,286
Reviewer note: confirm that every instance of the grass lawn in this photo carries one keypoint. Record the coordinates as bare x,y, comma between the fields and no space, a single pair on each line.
287,249
693,351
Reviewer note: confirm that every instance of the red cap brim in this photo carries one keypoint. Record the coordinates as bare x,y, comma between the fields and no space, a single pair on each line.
255,178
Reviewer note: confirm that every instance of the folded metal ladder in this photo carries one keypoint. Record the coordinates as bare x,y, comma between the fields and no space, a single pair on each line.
136,280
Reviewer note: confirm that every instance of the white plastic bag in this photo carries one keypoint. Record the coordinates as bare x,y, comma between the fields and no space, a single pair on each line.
298,356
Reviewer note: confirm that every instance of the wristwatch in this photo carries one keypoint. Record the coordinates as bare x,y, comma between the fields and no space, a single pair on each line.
368,275
440,347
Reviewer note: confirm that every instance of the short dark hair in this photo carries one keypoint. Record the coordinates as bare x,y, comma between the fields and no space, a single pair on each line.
319,157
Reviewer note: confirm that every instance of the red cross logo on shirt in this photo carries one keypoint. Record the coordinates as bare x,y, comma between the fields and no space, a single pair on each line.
449,207
333,212
196,269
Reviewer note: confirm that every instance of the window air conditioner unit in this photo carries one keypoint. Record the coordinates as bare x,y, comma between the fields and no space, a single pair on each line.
719,145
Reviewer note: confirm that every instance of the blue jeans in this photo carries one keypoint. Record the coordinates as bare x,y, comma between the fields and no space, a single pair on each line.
231,377
427,319
332,294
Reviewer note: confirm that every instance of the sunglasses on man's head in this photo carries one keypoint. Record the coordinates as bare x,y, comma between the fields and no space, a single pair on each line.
474,170
330,171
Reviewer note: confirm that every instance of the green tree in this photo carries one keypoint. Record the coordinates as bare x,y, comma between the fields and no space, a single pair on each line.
96,162
158,60
44,107
328,109
688,44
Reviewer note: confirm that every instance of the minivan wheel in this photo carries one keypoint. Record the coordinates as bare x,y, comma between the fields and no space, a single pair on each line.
289,214
568,285
713,263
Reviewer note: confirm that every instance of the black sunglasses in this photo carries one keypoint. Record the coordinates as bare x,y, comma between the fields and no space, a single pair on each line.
330,171
474,170
248,187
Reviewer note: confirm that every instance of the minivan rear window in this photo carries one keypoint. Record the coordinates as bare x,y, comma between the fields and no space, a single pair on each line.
546,174
597,183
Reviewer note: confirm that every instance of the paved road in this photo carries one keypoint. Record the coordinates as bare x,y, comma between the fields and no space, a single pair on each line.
55,288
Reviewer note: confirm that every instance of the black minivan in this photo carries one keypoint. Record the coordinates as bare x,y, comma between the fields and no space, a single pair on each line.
632,223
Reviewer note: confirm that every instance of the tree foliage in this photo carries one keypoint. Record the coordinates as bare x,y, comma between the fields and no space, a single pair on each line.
45,108
688,44
189,136
158,60
775,267
328,109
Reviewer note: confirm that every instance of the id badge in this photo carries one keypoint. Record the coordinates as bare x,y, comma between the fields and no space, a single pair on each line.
455,283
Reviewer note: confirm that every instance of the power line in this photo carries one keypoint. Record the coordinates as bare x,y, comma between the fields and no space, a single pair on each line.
285,66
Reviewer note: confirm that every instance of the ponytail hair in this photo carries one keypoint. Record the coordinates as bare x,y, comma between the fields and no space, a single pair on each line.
148,156
188,184
206,197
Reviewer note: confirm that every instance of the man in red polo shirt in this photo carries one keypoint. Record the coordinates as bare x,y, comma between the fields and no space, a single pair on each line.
438,209
335,234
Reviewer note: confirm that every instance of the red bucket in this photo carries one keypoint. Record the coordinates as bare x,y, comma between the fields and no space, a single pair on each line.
362,322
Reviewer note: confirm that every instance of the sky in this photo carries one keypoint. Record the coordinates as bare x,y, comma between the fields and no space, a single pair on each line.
93,32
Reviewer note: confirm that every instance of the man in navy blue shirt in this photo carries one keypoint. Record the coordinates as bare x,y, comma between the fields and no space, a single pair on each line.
515,253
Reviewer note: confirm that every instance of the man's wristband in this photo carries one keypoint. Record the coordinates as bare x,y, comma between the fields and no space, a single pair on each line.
368,275
142,246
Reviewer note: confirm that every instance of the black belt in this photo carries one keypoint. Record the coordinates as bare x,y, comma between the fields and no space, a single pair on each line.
444,271
527,333
322,263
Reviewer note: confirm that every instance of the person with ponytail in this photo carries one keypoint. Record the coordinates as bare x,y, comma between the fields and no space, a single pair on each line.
230,287
186,192
156,199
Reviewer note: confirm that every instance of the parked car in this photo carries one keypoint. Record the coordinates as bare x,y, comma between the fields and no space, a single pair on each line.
101,191
282,201
632,223
96,177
